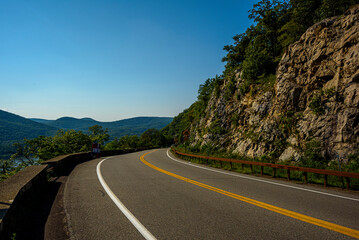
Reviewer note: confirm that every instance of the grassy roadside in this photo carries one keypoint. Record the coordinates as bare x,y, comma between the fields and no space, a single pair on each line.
295,176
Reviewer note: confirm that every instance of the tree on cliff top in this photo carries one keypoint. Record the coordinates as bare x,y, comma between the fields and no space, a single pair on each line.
257,52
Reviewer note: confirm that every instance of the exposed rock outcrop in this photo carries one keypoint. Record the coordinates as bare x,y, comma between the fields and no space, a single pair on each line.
315,96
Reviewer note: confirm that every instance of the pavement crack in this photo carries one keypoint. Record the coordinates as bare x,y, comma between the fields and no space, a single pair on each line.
103,194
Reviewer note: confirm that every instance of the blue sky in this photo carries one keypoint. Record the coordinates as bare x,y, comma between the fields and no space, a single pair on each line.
111,59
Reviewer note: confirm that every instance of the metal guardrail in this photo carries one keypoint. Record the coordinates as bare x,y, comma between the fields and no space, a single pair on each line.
305,170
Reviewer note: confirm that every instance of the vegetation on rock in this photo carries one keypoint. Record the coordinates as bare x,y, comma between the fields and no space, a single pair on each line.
288,91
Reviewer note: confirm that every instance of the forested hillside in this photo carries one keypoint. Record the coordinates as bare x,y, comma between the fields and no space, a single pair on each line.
120,128
289,88
14,128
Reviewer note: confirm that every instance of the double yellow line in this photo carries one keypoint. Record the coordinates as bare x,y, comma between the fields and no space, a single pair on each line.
331,226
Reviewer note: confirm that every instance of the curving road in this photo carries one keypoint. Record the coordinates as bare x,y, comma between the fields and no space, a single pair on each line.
153,195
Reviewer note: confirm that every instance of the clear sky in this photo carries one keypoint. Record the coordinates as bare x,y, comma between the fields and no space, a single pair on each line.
111,59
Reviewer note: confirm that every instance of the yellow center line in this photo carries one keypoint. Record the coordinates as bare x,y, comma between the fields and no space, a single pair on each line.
331,226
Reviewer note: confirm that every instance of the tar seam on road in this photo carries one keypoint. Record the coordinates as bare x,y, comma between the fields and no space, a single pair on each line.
137,224
260,180
324,224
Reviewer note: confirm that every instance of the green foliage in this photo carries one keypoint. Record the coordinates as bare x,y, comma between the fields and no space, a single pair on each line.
98,134
258,51
131,126
235,119
216,128
13,237
42,148
236,52
152,138
230,89
353,163
205,90
256,54
244,88
316,104
287,122
312,155
34,151
331,8
319,100
15,128
194,113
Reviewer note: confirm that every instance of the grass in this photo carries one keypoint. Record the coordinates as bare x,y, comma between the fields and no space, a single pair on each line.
297,176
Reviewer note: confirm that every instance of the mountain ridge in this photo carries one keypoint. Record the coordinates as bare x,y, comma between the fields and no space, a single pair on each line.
116,128
14,128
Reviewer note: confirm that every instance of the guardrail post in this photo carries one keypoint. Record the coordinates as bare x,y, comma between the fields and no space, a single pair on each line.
305,177
348,183
288,174
261,170
325,180
274,172
231,164
220,162
251,168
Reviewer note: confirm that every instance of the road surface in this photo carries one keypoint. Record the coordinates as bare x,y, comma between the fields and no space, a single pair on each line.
153,195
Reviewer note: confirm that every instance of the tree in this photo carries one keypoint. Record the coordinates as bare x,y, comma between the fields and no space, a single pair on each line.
6,165
25,152
330,8
43,148
98,134
257,51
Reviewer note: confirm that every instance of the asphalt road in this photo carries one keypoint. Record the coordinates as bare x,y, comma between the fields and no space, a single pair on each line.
172,199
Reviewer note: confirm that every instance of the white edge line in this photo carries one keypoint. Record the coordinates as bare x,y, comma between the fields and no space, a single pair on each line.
260,180
137,224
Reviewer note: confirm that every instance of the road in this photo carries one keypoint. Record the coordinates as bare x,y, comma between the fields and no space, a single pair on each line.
167,198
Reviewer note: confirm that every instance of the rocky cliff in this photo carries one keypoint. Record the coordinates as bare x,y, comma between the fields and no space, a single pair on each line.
315,97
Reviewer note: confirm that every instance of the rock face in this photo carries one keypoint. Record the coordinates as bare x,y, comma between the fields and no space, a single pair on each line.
315,96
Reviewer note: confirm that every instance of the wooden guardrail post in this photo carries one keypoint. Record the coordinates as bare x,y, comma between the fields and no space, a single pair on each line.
325,180
348,183
288,174
261,170
305,177
251,168
274,170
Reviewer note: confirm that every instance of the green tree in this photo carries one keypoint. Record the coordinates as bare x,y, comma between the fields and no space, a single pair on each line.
330,8
42,148
98,134
25,152
6,165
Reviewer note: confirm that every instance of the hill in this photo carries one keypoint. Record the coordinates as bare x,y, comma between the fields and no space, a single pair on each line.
14,128
302,107
131,126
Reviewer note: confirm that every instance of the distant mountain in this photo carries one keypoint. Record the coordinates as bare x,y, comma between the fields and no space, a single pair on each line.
131,126
69,123
14,128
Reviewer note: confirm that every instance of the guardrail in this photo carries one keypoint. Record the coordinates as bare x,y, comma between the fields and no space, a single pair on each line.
19,192
305,170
